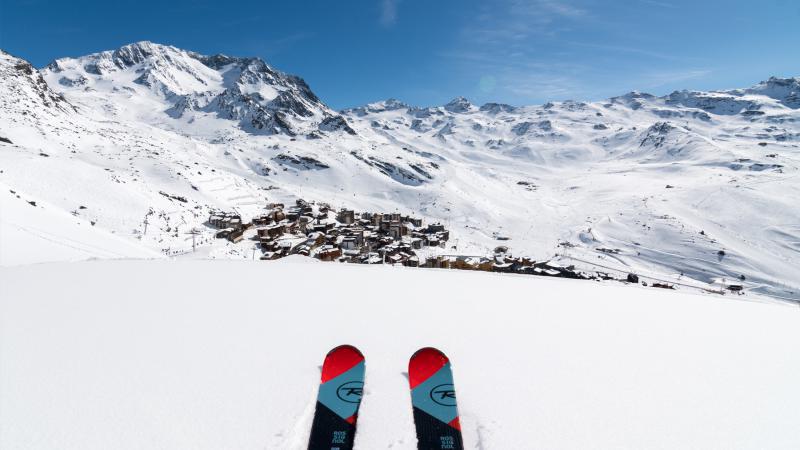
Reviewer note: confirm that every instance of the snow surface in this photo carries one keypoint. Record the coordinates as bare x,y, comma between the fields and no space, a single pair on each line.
31,231
226,354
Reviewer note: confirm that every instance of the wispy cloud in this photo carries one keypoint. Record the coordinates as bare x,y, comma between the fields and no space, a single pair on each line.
653,80
658,3
544,8
624,49
519,75
502,50
517,20
388,15
524,51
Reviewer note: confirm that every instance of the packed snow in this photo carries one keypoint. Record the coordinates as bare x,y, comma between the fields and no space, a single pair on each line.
226,354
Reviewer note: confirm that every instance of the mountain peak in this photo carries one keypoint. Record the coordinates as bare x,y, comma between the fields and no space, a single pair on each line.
245,89
390,104
784,90
458,105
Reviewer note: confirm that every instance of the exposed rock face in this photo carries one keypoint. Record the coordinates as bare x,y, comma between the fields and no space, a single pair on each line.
633,100
657,134
784,90
336,123
26,84
458,105
300,162
497,108
716,103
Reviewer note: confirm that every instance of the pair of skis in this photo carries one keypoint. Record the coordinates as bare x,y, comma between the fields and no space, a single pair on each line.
433,398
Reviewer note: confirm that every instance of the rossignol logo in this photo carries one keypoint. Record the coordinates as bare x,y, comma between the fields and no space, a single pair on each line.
444,394
350,392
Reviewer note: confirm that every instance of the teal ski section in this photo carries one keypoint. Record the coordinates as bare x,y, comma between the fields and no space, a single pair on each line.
342,394
436,396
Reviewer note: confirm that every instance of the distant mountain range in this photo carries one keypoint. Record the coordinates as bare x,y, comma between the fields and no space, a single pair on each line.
693,185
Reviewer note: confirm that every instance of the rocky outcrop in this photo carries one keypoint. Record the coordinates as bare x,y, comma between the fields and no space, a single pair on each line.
335,123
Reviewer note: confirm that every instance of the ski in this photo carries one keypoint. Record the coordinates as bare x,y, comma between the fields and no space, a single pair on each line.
433,397
340,389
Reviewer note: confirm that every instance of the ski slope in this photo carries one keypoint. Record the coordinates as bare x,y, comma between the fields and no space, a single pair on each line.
33,231
193,354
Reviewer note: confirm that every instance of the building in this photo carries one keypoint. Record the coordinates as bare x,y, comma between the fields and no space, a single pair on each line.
346,216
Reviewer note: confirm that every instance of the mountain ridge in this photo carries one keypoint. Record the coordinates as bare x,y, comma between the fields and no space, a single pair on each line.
567,179
138,52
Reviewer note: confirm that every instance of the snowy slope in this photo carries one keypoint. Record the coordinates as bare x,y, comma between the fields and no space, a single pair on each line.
94,358
693,185
32,231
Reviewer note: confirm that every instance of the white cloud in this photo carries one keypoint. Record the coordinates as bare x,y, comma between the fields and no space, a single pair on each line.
388,12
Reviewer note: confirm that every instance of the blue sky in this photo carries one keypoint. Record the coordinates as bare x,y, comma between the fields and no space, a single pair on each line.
427,52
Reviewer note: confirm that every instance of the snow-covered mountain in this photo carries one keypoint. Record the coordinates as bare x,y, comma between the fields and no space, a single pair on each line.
139,144
247,90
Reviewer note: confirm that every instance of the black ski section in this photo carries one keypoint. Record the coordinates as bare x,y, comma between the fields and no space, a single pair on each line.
433,434
330,432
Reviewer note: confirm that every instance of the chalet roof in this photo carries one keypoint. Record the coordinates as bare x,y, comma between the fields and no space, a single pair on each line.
473,260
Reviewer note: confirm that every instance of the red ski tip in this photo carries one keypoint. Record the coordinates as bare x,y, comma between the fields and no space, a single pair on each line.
340,360
424,363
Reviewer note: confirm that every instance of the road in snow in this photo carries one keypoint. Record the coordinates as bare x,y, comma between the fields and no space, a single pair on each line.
226,354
